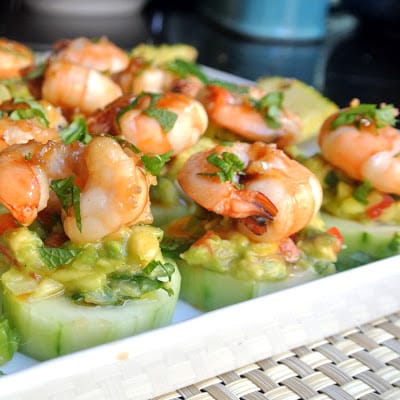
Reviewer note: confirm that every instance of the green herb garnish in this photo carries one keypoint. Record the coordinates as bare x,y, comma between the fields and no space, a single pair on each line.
361,192
164,117
76,130
35,110
381,117
184,68
331,179
230,165
69,195
36,72
55,257
229,86
155,163
269,106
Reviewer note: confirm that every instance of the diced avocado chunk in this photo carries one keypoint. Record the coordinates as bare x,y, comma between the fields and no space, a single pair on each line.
364,242
8,341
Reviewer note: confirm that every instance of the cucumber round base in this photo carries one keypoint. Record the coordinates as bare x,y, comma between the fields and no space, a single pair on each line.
364,243
209,290
55,326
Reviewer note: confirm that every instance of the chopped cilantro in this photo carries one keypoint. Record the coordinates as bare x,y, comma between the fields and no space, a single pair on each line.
55,257
76,130
155,163
184,68
69,195
382,116
36,72
164,117
269,106
230,165
361,192
229,86
331,179
35,110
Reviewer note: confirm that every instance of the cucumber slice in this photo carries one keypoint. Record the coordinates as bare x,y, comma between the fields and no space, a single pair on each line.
55,326
364,243
209,290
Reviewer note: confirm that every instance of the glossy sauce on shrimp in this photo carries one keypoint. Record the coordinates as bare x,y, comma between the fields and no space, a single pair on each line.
272,197
363,148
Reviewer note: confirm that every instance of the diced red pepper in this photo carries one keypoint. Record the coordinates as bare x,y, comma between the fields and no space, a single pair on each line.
376,210
339,238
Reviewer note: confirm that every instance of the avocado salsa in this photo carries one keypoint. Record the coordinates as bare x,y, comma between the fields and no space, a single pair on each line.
124,265
348,199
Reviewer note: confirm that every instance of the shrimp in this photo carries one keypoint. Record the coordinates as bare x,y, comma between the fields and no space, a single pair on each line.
141,76
101,54
114,188
14,57
16,130
74,87
277,197
364,152
116,193
138,126
237,113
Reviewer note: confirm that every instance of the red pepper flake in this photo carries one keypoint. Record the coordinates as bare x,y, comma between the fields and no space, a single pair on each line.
376,210
339,238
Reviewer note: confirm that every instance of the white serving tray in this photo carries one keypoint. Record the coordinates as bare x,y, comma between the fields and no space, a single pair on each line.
197,346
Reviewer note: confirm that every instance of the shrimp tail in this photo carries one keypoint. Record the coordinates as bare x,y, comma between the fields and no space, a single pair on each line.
246,203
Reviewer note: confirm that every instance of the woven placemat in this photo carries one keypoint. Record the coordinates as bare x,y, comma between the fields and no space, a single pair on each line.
361,363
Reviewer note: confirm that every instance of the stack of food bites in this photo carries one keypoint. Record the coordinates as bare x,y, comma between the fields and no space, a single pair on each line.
121,173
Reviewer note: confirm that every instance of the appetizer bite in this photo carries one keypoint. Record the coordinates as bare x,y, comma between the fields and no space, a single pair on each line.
255,230
359,170
81,263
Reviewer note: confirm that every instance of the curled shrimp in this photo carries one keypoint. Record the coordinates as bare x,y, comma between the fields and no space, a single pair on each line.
237,113
364,151
114,188
74,87
116,193
14,57
142,76
135,124
277,196
100,54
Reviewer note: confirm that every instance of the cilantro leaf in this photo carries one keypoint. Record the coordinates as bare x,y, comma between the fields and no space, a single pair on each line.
155,163
164,117
229,86
76,130
184,68
230,165
69,195
35,110
361,192
36,72
331,179
55,257
382,116
269,106
124,143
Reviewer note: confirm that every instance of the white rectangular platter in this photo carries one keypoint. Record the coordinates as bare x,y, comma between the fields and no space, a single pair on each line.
206,345
199,345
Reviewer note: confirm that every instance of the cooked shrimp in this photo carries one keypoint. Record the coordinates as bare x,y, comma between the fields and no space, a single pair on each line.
17,131
14,57
31,166
237,113
278,196
138,126
116,193
74,87
141,76
101,54
363,151
114,188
